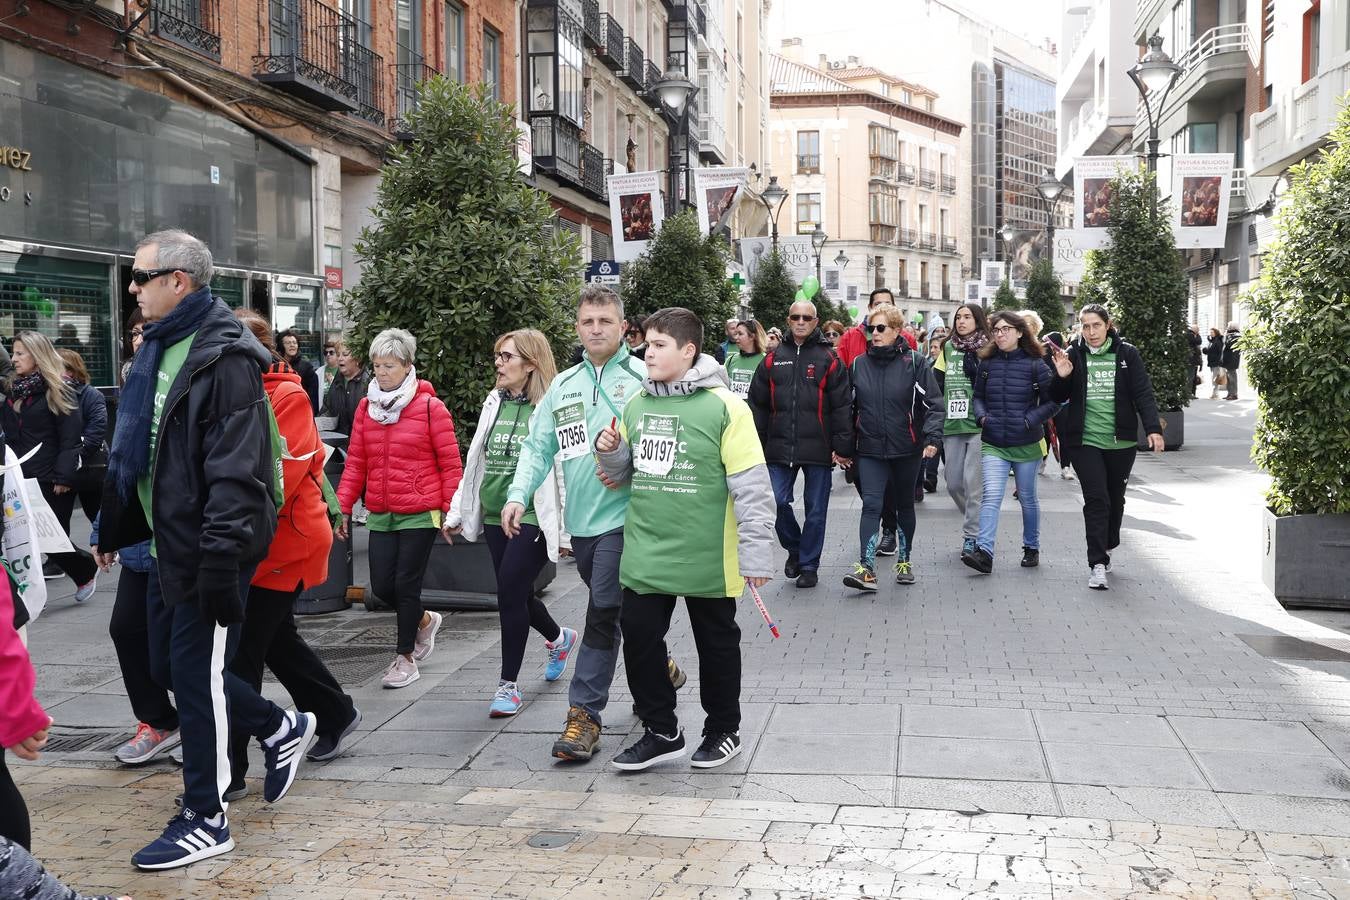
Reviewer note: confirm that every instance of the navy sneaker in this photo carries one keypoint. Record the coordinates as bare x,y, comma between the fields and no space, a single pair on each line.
284,757
187,839
649,750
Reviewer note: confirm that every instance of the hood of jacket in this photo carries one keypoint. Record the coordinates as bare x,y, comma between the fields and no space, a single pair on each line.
885,355
221,333
277,374
706,372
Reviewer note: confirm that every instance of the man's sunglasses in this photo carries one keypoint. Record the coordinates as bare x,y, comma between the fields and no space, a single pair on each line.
800,318
877,329
143,277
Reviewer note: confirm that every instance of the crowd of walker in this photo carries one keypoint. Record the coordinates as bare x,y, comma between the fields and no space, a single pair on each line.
210,498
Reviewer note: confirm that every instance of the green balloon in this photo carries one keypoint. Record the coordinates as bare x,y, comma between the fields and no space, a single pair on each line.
853,312
801,297
810,287
917,317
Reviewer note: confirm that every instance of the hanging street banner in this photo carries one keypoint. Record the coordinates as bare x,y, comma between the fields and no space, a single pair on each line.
635,212
1202,184
1092,176
716,192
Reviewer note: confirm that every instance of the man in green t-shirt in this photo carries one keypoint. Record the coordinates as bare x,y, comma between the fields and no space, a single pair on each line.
691,452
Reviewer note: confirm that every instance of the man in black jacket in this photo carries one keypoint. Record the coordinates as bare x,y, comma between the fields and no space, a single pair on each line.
803,404
1232,358
192,470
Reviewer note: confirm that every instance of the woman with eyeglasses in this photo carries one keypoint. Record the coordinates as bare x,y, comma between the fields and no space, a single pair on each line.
1109,393
1012,401
751,345
289,342
834,330
525,369
897,406
635,336
404,460
42,414
960,431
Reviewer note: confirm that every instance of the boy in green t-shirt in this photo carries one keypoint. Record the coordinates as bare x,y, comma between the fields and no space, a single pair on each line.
699,526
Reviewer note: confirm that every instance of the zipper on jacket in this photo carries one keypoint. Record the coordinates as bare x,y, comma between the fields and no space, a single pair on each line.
796,385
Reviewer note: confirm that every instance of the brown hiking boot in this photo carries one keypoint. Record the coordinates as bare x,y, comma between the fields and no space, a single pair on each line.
580,737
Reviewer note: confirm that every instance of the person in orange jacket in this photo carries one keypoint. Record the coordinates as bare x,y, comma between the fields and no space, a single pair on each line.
296,559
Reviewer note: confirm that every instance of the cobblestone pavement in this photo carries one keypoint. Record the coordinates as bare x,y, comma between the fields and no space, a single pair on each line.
966,736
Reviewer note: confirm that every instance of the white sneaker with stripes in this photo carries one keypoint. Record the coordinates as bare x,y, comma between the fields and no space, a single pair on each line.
189,838
284,756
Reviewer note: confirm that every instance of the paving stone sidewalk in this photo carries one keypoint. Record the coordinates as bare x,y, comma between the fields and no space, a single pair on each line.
981,698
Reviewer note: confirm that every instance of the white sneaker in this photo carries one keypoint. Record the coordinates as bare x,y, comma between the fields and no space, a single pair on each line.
86,590
426,636
1097,580
1066,473
401,672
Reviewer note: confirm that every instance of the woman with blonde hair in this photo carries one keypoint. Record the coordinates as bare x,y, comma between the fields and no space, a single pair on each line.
525,368
94,447
41,412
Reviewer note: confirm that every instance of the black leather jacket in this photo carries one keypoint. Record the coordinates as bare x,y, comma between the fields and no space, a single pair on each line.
213,506
802,401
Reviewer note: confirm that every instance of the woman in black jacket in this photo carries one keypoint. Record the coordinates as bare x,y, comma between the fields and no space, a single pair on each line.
309,379
1108,392
897,405
40,409
94,448
1214,360
347,390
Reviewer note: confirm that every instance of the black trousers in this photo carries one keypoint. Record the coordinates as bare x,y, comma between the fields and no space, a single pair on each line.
80,565
13,811
398,563
889,503
518,562
645,619
130,633
1103,475
269,638
89,489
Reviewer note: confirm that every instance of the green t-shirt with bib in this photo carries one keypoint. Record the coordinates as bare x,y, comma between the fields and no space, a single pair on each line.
170,364
957,392
741,370
1099,414
501,453
392,521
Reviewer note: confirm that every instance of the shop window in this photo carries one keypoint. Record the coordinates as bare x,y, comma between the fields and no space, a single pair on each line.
67,300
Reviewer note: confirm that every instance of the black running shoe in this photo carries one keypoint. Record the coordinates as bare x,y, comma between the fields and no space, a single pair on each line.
650,750
979,560
717,748
888,544
1030,558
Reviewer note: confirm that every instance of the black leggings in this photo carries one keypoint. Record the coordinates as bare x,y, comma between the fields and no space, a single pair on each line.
398,563
13,811
80,565
518,561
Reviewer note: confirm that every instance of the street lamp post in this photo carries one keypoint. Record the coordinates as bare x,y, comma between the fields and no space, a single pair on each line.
1050,188
675,92
1154,75
818,239
773,197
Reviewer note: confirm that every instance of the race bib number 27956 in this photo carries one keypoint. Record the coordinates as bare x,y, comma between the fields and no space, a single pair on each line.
570,429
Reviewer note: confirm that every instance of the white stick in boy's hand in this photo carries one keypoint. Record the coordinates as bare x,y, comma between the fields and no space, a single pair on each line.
608,439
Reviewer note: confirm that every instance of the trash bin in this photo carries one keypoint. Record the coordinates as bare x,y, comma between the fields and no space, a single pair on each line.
331,596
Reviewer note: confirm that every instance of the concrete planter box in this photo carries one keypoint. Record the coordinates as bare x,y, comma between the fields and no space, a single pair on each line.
1306,559
1174,429
462,577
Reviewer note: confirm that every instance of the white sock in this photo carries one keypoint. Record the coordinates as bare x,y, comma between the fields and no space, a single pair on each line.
217,820
287,723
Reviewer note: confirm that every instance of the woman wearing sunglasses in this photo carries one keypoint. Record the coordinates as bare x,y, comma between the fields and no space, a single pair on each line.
897,406
751,345
1012,403
834,330
525,369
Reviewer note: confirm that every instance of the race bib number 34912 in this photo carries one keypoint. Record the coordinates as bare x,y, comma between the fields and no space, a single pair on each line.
654,453
570,427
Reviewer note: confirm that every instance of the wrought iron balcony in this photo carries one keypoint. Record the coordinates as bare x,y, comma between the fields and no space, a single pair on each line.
651,76
691,13
905,172
927,240
925,290
948,244
808,163
593,172
407,83
949,184
365,69
610,50
927,178
592,24
633,72
307,50
946,292
557,148
905,237
194,24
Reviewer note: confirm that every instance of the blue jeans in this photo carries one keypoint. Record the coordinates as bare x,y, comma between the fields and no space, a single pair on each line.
805,542
995,484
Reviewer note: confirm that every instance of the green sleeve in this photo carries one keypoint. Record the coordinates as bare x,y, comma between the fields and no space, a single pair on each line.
536,454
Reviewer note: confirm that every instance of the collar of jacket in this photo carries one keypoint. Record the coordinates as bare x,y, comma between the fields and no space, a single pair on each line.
886,355
815,337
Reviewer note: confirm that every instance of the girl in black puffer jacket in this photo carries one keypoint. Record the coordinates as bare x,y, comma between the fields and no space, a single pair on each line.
1012,404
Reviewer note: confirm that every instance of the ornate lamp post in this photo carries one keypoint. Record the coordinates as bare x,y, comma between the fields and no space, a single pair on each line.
1154,75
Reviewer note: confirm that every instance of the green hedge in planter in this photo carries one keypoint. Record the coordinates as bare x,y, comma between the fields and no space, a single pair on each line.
1294,349
461,249
772,290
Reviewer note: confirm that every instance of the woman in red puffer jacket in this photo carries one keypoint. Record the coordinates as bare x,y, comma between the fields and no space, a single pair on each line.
404,459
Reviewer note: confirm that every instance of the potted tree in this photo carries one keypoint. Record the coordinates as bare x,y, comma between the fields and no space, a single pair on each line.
1140,279
1043,295
460,251
1294,353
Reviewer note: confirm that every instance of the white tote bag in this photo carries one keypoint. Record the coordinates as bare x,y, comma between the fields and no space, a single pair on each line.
22,552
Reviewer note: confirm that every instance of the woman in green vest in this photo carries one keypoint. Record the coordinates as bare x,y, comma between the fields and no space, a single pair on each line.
742,362
960,434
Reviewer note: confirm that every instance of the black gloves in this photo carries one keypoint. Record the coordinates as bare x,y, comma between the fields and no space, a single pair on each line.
218,595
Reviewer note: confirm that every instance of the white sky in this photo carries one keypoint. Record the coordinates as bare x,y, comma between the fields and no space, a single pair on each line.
1036,19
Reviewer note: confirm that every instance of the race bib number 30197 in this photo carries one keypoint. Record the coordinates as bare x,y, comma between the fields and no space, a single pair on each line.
570,428
654,453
